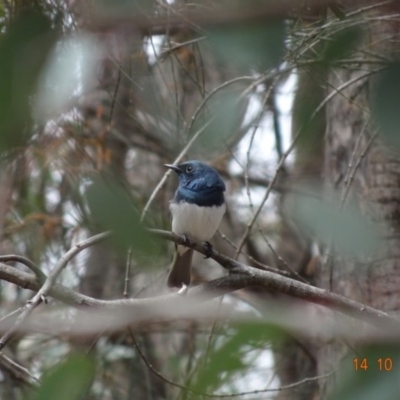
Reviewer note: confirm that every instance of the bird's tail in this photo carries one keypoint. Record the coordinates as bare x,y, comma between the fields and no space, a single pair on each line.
180,269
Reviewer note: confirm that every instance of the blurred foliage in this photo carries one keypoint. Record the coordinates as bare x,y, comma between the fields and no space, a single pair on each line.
59,80
346,228
23,53
307,122
256,46
122,8
230,358
68,380
309,115
370,373
222,120
341,44
112,208
385,103
130,123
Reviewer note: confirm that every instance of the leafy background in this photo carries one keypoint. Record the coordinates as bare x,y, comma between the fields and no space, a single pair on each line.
95,98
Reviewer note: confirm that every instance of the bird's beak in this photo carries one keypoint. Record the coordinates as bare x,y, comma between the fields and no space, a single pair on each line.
174,167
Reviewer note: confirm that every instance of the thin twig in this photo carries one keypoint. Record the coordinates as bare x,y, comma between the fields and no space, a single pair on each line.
165,52
233,16
286,285
240,276
49,283
127,272
114,97
220,396
152,282
256,81
11,314
342,87
352,159
267,192
246,180
252,259
168,172
21,373
353,173
28,263
192,140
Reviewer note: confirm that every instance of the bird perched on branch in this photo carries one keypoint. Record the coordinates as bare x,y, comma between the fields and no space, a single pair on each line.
197,210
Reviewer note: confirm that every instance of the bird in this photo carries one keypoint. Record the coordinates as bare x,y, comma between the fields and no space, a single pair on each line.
197,210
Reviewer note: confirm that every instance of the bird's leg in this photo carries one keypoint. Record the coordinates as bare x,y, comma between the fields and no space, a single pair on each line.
183,290
209,250
185,239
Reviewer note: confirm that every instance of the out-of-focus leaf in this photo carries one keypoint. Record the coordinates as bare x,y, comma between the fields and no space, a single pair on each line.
257,46
306,119
229,358
112,208
69,380
385,104
222,116
348,229
341,44
69,68
122,8
336,9
372,373
23,52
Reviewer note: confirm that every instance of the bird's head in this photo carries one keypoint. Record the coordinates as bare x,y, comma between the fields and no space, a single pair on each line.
196,175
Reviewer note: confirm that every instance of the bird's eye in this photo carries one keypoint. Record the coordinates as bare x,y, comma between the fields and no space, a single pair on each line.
189,169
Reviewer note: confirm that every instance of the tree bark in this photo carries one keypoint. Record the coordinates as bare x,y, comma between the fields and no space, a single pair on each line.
373,281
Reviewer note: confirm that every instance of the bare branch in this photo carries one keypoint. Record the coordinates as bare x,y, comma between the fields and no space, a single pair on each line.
28,263
271,11
220,396
49,283
18,371
241,276
291,287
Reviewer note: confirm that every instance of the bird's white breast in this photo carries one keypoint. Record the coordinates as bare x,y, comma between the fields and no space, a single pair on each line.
199,223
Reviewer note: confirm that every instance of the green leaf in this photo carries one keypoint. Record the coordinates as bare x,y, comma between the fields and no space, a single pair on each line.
59,79
385,104
229,357
23,52
249,46
222,117
69,380
336,9
306,120
348,229
380,379
122,8
341,44
112,208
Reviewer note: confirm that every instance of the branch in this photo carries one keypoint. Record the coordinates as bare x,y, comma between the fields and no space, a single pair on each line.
240,276
235,16
291,287
195,136
49,283
28,263
19,372
221,396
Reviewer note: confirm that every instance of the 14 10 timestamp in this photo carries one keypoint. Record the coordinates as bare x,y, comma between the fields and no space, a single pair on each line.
362,364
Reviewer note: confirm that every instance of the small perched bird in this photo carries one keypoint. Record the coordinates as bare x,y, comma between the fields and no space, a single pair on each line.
197,210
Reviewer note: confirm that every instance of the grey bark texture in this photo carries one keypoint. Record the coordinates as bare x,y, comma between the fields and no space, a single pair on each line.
373,280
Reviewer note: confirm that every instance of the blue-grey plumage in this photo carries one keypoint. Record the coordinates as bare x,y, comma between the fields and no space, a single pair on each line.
197,210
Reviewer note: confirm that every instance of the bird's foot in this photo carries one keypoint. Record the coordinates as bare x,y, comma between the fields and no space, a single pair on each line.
209,250
183,290
185,238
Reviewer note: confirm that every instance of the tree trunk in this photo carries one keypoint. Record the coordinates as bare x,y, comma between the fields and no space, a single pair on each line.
375,281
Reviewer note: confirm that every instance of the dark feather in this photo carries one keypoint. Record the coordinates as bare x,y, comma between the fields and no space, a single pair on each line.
180,269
